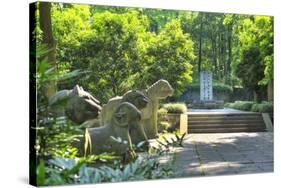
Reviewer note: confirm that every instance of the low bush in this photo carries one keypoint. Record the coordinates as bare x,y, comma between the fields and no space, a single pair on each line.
109,168
61,171
164,126
162,112
177,108
243,105
264,107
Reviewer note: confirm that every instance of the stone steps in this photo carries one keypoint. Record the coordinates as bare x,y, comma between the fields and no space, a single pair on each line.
205,122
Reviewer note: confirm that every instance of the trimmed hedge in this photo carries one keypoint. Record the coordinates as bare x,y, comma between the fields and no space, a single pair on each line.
264,107
240,105
176,108
216,87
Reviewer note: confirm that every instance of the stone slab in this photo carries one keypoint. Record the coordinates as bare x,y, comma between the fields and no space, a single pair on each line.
226,154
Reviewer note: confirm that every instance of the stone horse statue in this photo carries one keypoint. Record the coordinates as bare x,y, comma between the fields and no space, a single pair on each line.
159,90
115,135
77,104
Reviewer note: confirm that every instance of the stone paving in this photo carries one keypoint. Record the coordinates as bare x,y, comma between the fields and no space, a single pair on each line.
225,154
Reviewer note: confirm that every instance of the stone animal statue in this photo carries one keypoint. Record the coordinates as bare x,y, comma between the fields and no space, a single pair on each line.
159,90
77,104
115,135
135,97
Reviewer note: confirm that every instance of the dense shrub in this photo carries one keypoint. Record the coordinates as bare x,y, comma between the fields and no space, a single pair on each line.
164,126
174,108
109,168
61,171
264,107
240,105
162,112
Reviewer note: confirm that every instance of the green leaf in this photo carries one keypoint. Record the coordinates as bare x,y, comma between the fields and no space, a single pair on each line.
41,173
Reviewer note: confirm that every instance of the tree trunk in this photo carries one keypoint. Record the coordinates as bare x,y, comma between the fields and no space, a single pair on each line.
255,96
229,38
214,54
223,52
200,44
48,41
270,91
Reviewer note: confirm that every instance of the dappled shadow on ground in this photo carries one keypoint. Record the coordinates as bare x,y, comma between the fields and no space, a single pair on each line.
224,154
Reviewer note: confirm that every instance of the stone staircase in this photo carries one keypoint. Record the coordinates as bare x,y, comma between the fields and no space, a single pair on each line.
202,122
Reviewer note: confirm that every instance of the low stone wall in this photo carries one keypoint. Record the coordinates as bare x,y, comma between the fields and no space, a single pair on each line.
238,94
194,95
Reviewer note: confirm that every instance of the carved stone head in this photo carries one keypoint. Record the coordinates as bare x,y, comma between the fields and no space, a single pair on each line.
80,105
136,97
126,115
160,89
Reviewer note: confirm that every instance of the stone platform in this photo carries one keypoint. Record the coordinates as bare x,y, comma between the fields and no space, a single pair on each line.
212,104
225,154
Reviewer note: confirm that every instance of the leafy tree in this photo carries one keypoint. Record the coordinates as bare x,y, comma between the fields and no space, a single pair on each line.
110,53
45,23
250,70
71,23
255,36
171,56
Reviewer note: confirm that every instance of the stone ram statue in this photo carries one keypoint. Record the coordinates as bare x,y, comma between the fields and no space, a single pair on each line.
77,104
135,97
115,135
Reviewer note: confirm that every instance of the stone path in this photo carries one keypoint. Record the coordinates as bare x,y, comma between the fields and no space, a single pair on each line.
224,154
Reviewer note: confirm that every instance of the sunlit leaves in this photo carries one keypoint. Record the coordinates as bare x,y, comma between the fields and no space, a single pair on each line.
71,23
255,33
171,51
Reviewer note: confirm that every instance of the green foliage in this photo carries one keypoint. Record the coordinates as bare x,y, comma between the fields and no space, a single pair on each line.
41,173
121,49
164,126
254,58
240,105
175,107
162,111
250,70
54,135
158,18
61,171
70,24
152,43
264,107
217,87
166,140
172,51
111,48
222,87
104,41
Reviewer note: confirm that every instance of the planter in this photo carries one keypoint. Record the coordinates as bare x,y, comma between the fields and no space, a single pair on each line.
176,121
